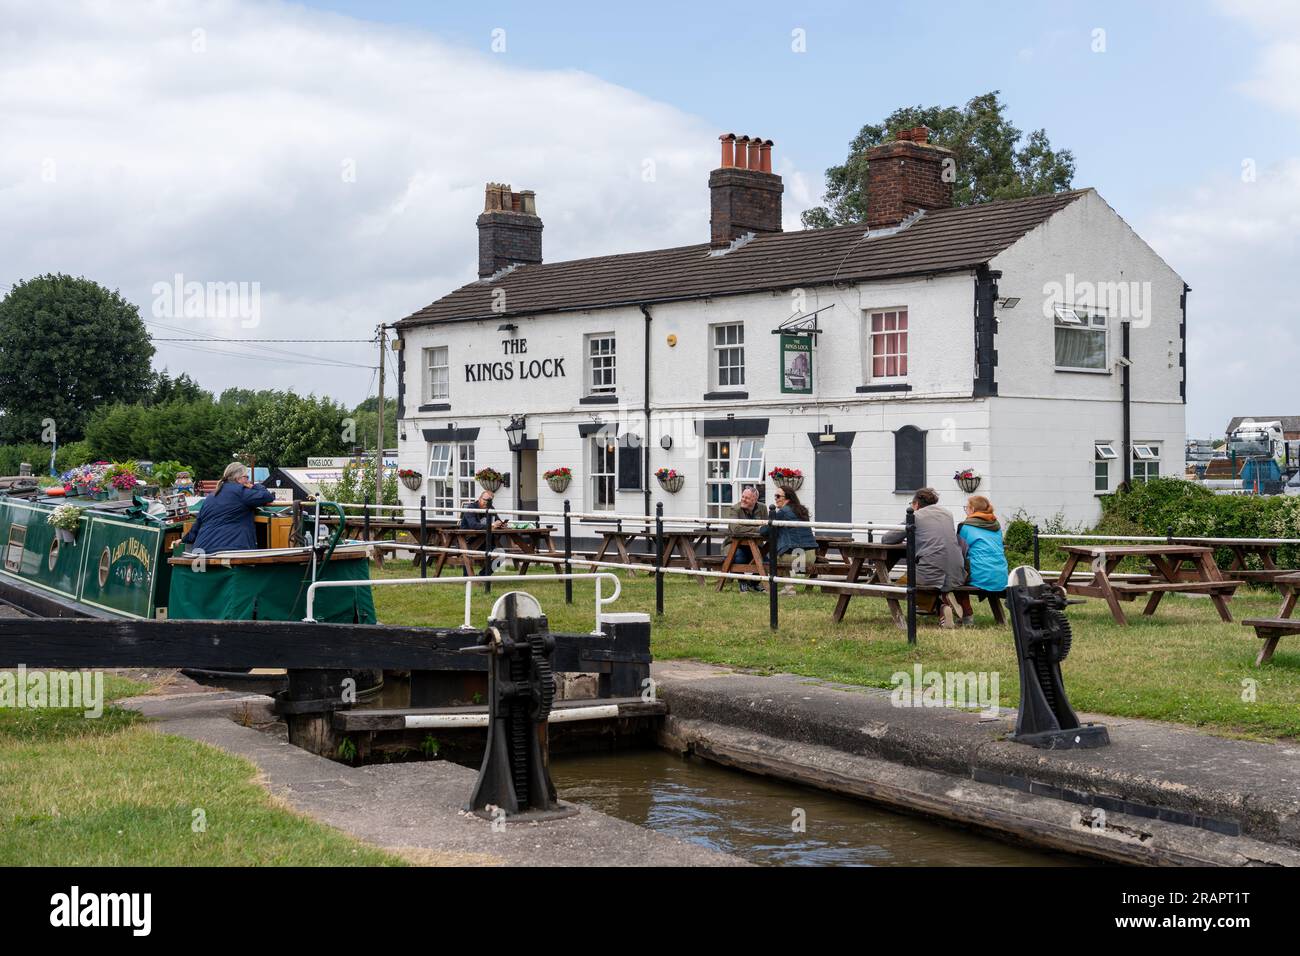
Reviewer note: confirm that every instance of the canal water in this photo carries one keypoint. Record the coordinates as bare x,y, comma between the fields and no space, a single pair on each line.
753,817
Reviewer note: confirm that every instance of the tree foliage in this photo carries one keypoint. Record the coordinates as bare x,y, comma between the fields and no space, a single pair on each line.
994,160
67,346
281,428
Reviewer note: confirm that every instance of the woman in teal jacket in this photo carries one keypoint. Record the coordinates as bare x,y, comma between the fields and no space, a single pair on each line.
981,538
796,546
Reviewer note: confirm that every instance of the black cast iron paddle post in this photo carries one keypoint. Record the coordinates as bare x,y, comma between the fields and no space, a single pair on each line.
487,548
1038,565
365,519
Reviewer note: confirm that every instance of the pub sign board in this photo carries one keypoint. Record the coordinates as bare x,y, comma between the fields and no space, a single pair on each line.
796,365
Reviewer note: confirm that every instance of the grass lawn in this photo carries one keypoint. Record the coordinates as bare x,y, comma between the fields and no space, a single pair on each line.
1183,664
113,792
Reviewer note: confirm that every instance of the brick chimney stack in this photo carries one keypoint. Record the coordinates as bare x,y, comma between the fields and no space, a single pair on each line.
905,175
745,195
509,230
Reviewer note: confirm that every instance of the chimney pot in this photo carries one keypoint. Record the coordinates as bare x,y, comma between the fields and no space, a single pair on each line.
509,230
745,196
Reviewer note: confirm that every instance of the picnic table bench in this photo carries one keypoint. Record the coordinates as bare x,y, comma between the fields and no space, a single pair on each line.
1167,560
681,546
1273,629
519,543
1262,548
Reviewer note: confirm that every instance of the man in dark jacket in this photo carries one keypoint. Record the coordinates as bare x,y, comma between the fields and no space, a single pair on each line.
225,522
474,514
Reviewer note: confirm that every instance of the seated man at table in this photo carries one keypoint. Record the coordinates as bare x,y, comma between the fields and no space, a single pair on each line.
747,508
940,561
475,513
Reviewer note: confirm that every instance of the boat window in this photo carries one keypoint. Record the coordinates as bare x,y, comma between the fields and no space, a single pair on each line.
14,553
105,562
54,552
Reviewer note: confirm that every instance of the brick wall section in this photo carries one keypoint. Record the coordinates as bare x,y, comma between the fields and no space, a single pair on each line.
741,201
903,177
506,238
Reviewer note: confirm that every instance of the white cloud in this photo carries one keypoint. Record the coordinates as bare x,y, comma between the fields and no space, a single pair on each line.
137,148
1237,243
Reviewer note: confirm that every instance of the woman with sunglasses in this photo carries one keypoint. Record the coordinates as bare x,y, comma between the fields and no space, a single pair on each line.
794,546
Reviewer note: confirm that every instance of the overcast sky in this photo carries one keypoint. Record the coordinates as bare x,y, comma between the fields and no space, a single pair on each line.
334,154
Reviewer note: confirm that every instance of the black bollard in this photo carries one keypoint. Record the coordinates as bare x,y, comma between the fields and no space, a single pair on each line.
1038,564
365,519
487,548
1043,639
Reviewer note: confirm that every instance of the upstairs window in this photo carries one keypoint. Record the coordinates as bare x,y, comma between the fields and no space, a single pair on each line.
437,375
887,344
600,364
729,356
1080,339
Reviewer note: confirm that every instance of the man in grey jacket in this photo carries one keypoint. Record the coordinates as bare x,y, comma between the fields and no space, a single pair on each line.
940,560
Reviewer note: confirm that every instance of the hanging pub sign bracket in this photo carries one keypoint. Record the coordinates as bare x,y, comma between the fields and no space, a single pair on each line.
802,323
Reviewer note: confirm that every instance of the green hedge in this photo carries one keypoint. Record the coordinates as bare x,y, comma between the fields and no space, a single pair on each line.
38,456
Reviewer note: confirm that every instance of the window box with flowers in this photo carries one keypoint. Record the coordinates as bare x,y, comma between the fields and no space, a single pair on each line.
967,480
558,479
670,480
787,479
411,478
489,478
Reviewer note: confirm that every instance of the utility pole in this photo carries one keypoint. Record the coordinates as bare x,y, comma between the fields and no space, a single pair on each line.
379,448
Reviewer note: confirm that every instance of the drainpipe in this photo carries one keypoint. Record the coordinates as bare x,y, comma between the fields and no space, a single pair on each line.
645,436
1126,390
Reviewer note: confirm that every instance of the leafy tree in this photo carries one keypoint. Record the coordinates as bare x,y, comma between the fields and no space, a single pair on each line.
67,345
284,429
367,425
163,388
197,432
994,160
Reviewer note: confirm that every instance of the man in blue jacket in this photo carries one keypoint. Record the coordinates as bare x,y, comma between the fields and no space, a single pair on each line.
225,522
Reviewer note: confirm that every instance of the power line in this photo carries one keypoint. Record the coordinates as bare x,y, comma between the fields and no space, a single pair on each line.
218,339
304,341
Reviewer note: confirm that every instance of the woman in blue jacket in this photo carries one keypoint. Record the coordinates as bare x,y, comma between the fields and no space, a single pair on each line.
795,546
225,522
981,538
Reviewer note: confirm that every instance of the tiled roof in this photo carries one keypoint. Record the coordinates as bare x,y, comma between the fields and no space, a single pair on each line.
1290,423
944,240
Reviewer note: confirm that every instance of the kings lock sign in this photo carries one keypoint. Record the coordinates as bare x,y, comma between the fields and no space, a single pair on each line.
512,368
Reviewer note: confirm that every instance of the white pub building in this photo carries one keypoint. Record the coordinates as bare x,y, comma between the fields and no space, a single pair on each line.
1039,342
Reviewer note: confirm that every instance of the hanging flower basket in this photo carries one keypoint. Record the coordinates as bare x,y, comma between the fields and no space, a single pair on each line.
787,479
411,478
490,479
558,479
670,480
65,536
967,480
65,519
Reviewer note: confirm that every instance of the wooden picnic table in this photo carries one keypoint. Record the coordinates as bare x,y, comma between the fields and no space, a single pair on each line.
1201,577
1261,548
1272,630
876,559
517,542
681,546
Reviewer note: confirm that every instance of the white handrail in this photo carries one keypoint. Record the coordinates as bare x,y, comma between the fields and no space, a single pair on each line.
468,583
1165,539
649,568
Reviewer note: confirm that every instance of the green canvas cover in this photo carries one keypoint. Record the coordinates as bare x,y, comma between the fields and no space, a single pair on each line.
270,592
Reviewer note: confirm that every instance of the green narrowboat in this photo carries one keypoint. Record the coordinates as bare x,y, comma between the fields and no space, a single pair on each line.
125,559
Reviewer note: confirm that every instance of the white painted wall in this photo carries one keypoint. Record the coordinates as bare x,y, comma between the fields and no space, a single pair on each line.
1033,443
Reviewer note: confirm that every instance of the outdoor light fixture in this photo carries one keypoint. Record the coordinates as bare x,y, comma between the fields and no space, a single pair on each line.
515,432
507,327
1008,303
